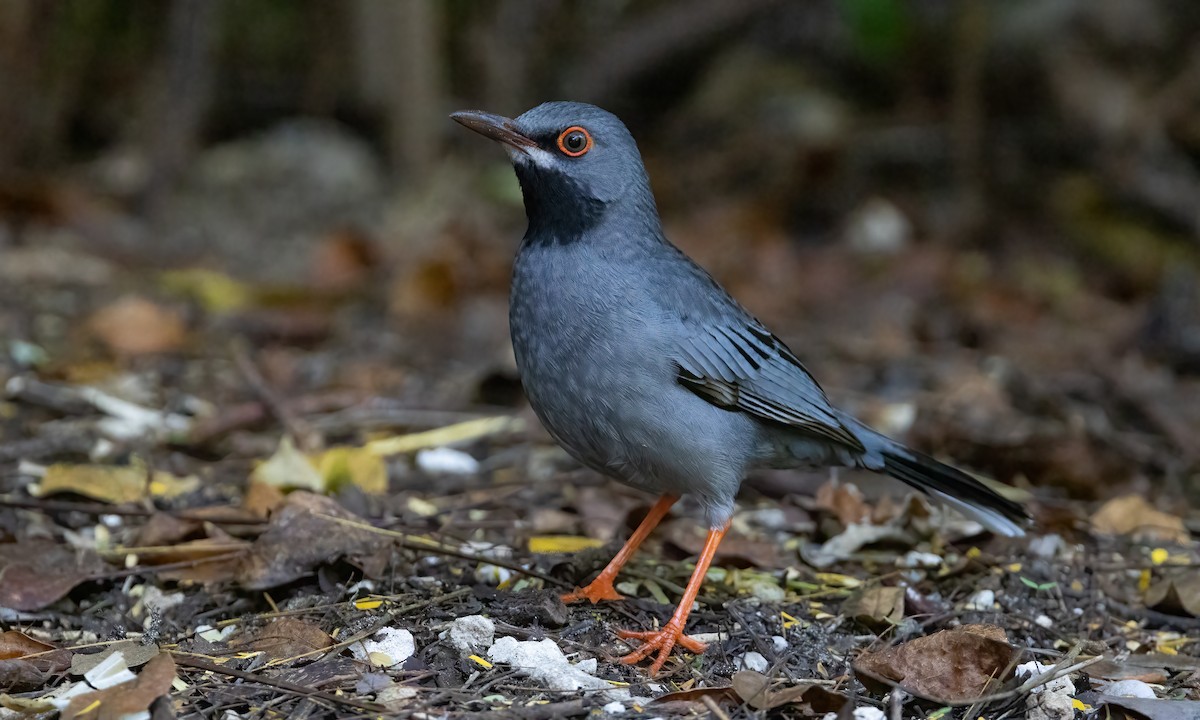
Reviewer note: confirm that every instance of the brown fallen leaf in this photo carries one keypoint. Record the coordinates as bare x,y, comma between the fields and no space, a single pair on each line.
213,560
18,676
283,638
718,694
137,326
689,537
844,501
305,533
133,654
14,644
115,484
947,667
875,606
757,691
34,574
1132,515
44,657
166,529
1176,595
127,698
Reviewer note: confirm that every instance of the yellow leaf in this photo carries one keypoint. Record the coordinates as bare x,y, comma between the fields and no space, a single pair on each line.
167,486
836,580
216,291
1080,705
1158,556
1144,581
788,620
368,603
541,544
344,466
289,468
480,661
106,483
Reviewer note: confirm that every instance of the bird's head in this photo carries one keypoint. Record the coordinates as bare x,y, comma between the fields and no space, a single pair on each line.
574,162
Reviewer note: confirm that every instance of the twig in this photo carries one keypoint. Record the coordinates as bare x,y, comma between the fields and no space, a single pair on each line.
306,437
196,515
713,707
193,661
410,543
570,708
383,622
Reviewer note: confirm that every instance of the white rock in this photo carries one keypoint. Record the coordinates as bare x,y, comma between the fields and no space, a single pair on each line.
1044,621
1130,688
878,227
982,600
395,695
914,559
752,661
613,708
543,662
779,642
447,461
862,713
1034,668
396,646
470,634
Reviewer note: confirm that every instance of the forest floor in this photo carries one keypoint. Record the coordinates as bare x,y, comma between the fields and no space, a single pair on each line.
289,503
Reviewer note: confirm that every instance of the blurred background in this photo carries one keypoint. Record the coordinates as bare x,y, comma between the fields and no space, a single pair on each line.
977,222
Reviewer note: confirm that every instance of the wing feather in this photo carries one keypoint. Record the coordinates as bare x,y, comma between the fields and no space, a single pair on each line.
748,369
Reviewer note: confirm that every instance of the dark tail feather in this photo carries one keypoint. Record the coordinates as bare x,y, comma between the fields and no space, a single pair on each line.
956,489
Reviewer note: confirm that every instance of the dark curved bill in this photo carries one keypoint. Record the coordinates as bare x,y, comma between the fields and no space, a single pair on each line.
496,127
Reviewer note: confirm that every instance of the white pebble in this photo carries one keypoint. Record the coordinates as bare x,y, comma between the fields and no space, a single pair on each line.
447,461
982,600
1044,621
779,642
752,661
396,646
470,634
613,708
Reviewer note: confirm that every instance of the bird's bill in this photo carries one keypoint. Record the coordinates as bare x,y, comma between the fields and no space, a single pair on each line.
496,127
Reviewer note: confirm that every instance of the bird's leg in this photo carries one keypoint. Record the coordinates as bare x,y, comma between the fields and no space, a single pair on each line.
672,633
602,587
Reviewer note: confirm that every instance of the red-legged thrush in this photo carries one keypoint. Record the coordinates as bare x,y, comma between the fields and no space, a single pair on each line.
646,370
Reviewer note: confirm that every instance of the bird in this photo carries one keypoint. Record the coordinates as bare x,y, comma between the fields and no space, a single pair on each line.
643,368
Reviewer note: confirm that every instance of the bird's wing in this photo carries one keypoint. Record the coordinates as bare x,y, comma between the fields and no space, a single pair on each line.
742,366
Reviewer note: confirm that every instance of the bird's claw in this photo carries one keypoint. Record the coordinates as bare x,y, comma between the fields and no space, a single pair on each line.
597,590
662,641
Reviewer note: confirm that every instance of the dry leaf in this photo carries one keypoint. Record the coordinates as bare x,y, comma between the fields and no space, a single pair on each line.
284,638
113,484
305,533
1176,595
344,466
1150,709
35,574
1132,515
947,667
137,326
18,676
875,606
288,468
690,537
133,654
755,689
127,698
844,501
261,499
14,644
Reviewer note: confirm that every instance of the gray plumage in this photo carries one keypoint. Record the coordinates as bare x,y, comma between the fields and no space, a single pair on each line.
640,364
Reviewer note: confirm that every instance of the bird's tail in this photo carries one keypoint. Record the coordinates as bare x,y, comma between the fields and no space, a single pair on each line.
956,489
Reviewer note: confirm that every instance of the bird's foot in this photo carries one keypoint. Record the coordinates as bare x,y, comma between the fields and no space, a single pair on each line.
661,640
599,589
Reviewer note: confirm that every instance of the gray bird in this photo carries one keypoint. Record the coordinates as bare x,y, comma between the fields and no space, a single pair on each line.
646,370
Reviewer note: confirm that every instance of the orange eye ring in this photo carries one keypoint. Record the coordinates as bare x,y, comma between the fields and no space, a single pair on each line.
569,137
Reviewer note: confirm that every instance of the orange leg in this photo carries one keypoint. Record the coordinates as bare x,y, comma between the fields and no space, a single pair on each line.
672,633
602,587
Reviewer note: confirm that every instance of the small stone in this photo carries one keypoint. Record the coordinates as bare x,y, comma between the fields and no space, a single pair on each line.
1130,688
613,708
752,661
1044,621
394,647
982,600
470,634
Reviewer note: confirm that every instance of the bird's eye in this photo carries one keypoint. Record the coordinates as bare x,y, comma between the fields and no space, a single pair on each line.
574,141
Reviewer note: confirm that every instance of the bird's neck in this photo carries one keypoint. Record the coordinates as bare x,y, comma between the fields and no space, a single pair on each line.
559,213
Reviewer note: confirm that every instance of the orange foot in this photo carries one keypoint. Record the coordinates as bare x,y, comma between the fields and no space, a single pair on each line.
661,640
599,589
